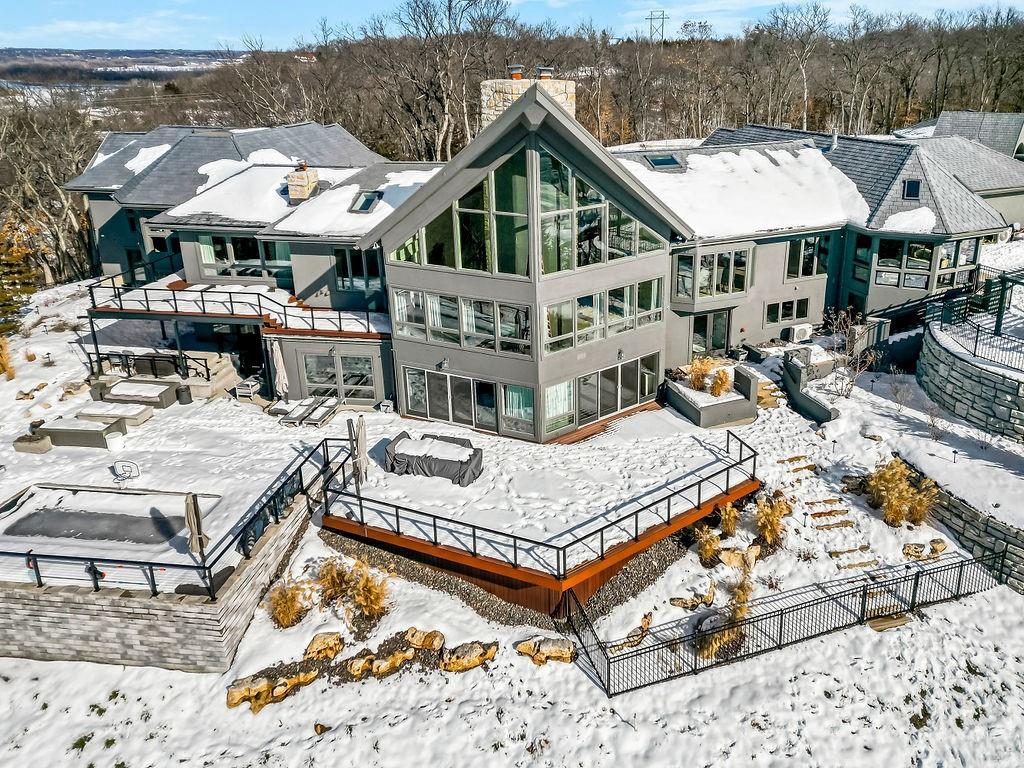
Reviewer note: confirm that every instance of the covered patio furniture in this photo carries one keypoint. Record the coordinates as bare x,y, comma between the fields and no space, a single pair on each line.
434,456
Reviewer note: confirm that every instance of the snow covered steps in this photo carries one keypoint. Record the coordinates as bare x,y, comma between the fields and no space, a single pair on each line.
862,564
829,513
835,553
883,623
838,524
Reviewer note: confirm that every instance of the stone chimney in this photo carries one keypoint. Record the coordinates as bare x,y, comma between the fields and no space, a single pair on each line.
303,183
498,95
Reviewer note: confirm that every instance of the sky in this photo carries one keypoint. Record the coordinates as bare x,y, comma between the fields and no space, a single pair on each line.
212,24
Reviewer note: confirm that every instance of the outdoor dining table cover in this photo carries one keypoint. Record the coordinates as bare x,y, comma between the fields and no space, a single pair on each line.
459,472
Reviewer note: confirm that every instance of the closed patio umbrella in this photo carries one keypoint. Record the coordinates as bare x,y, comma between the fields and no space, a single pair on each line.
362,456
280,376
197,540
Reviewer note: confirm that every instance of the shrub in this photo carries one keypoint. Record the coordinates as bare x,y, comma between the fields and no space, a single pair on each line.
334,581
30,356
287,603
708,545
891,489
769,522
721,642
369,593
699,370
729,516
721,382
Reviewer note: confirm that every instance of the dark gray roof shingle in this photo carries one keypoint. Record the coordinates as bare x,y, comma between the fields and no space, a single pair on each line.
999,130
978,167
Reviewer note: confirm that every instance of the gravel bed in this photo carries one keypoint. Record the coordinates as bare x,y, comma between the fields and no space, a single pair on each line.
639,573
484,603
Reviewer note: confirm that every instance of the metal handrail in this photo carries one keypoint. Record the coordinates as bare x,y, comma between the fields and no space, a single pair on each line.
560,552
271,502
245,298
128,360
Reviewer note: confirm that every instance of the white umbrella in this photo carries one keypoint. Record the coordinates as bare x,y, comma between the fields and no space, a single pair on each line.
362,456
280,375
197,540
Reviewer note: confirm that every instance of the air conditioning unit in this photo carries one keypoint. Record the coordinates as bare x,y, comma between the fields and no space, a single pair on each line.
798,332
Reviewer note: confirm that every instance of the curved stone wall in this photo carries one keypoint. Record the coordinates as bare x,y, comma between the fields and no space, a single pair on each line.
980,396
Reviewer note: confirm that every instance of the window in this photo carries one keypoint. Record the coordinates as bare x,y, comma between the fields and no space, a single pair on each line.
648,242
559,326
589,239
213,255
160,244
739,271
967,252
365,201
966,277
407,309
911,280
246,256
555,183
785,311
133,220
944,280
662,161
474,241
510,186
649,377
485,405
648,300
919,256
517,409
556,243
409,251
443,319
357,378
415,392
513,237
684,275
589,318
440,241
861,273
890,253
946,256
911,189
621,230
321,375
277,262
621,309
862,250
559,407
808,257
478,324
887,278
514,329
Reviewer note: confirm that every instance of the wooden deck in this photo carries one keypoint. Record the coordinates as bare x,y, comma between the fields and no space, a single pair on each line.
590,430
526,586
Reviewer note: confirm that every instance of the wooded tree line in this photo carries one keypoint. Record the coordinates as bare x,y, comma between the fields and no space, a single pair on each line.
407,84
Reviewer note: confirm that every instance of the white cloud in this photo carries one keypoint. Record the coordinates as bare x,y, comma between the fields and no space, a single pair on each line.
158,29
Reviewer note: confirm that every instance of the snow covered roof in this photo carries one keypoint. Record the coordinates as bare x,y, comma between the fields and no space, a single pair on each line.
729,192
252,197
329,215
877,168
142,172
664,145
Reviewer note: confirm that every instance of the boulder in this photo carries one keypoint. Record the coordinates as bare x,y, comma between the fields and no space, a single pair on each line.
740,558
360,665
696,601
260,691
913,551
635,636
467,656
544,649
320,729
324,646
427,641
390,665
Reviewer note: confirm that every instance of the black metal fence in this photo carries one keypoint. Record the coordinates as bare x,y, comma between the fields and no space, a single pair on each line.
545,556
308,473
149,364
775,622
977,331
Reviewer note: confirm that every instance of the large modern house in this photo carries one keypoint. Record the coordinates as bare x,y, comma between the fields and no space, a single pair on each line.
538,282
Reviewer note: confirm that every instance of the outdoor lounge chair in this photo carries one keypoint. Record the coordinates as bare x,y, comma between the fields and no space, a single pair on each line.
461,472
301,409
322,413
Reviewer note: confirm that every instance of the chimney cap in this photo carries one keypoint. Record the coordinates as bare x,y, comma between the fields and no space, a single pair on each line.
515,71
545,73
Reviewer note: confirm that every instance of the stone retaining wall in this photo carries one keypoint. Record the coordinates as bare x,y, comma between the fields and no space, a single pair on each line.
980,533
980,396
186,632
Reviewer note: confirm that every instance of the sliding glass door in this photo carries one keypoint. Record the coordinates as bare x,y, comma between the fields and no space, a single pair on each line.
461,400
710,334
604,393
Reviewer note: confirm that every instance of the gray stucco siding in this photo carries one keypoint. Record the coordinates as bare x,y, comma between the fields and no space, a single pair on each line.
112,234
293,349
1009,204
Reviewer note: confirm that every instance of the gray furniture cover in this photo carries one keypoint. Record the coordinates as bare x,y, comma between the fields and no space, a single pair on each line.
460,472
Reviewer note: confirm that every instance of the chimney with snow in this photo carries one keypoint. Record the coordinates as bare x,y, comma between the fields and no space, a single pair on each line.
303,183
498,95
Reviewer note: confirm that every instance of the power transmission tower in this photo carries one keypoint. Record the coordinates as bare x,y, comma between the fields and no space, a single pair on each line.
657,25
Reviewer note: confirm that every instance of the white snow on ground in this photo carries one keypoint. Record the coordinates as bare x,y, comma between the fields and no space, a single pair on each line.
942,690
783,190
257,194
917,221
1007,256
328,213
219,170
145,157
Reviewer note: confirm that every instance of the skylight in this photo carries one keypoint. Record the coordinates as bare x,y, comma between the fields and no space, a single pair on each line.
662,161
365,201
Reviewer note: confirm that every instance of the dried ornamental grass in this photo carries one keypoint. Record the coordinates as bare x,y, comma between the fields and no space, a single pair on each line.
334,581
287,603
720,382
921,500
769,523
699,370
369,593
708,545
729,516
891,489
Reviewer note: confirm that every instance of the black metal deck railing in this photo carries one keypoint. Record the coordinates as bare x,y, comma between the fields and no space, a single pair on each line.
309,473
554,559
802,614
153,364
977,331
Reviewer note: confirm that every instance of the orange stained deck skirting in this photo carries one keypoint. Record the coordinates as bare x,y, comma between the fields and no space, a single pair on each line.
527,586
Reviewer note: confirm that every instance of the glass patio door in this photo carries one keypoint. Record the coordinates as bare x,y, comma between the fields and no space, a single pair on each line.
710,334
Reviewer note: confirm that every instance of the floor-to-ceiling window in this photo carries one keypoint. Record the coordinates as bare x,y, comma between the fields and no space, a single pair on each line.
710,333
601,394
449,397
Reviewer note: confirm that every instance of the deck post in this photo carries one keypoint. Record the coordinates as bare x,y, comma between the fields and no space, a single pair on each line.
95,346
182,366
